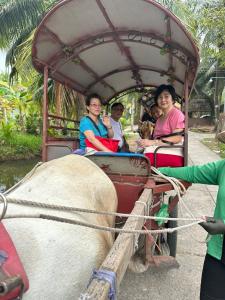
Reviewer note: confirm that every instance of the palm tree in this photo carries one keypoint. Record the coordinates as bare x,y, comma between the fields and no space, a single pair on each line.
18,21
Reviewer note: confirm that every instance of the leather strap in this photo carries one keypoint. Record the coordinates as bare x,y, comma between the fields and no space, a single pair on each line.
95,125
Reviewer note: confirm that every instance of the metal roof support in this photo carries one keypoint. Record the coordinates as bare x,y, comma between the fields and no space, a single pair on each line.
122,48
126,36
146,68
45,116
56,46
186,90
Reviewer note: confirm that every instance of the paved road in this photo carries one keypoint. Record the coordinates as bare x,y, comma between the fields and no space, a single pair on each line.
182,283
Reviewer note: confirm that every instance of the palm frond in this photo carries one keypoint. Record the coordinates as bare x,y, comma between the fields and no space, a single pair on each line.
17,16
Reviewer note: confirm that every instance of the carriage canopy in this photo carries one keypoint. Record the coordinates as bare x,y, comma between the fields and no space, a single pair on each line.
110,46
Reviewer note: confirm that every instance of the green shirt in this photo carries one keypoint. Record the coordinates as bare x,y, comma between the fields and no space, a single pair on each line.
211,173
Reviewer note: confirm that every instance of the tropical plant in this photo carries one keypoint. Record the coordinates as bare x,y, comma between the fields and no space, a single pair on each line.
6,130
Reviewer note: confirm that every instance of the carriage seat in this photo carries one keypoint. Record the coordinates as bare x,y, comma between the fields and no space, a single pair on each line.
129,173
166,156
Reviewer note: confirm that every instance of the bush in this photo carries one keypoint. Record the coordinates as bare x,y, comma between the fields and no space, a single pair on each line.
19,146
6,130
33,123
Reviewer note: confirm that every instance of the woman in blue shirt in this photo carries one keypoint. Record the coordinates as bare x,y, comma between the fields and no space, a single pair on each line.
92,125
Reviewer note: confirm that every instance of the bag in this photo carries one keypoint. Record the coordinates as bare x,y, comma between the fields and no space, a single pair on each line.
111,144
10,265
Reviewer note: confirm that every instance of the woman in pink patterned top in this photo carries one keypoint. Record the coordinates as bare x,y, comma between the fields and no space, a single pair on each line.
170,122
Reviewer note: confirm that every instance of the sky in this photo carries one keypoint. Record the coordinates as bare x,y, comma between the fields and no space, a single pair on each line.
2,61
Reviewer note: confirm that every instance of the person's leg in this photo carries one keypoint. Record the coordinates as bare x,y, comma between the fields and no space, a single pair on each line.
213,279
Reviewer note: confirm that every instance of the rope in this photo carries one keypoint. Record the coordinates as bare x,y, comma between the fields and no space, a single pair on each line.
180,189
28,175
83,210
4,206
99,227
177,185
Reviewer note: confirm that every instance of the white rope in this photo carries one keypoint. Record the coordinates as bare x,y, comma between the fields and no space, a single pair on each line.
178,187
28,175
4,210
82,210
104,228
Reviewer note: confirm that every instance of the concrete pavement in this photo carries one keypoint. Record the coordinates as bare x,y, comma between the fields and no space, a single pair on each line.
182,283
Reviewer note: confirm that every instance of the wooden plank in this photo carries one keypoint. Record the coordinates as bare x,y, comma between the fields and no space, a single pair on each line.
121,252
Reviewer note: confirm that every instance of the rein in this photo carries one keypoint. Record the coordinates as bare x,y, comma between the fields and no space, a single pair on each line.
177,185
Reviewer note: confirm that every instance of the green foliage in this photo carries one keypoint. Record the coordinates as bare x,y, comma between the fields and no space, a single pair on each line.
17,17
124,122
18,146
26,143
212,20
33,123
6,132
17,108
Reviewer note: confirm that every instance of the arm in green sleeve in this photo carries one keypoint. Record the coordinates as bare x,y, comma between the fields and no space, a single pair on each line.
206,174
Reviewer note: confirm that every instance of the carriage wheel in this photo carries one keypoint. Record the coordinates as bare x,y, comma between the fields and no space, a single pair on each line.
172,237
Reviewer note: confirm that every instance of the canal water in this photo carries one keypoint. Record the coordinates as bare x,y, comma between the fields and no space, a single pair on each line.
13,171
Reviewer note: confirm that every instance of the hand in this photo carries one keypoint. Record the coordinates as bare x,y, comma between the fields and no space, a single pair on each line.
106,121
213,226
146,142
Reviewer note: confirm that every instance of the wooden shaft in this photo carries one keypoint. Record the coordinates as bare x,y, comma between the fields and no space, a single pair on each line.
121,252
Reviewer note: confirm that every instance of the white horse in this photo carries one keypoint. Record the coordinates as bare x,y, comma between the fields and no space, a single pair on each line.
58,257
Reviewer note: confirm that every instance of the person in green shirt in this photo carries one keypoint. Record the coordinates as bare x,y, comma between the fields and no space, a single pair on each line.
213,274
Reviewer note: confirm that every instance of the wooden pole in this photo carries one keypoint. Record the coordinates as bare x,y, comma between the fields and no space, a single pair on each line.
121,252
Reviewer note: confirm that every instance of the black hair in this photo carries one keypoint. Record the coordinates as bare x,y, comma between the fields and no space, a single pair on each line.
117,104
165,87
91,96
150,102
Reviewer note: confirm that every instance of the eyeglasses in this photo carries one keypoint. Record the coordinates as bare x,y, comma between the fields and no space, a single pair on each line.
96,105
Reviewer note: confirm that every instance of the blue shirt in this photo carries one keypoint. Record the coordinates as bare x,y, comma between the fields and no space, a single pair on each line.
86,124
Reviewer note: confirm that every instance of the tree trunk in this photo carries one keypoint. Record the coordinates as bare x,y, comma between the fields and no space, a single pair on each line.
221,124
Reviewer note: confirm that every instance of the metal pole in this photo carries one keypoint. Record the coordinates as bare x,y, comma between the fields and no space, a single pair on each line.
45,116
186,119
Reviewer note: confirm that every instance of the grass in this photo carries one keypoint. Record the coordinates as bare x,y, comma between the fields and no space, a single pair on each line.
19,146
215,146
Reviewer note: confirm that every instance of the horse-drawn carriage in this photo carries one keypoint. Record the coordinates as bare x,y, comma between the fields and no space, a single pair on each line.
112,47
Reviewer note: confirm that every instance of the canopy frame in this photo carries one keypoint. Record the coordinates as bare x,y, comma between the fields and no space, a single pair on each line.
124,40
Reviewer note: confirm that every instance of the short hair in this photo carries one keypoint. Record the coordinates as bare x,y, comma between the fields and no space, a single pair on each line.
117,104
165,87
150,103
91,96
